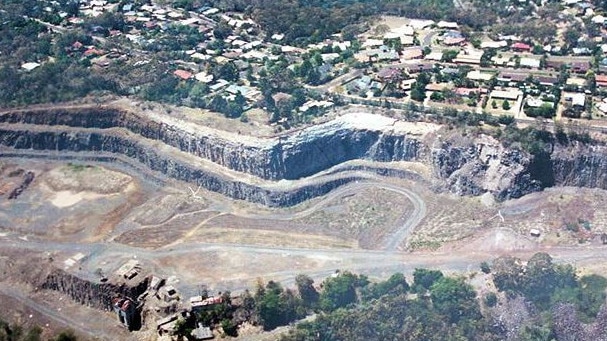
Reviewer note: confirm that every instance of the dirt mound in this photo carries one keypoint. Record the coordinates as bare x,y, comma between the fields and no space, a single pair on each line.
77,178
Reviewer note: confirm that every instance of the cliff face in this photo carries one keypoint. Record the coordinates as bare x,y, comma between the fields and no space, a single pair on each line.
224,163
95,295
293,157
482,165
581,166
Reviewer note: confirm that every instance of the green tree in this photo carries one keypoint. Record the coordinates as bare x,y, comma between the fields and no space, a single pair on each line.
454,299
306,290
423,279
340,291
506,105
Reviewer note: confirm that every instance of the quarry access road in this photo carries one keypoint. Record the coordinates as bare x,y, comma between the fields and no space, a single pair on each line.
393,241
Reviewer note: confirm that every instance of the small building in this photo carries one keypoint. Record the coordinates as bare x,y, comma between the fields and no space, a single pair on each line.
201,304
125,310
183,74
530,63
510,95
601,81
477,75
412,53
580,66
520,47
576,99
202,333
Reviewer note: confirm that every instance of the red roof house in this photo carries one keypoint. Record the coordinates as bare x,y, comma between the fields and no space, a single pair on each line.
183,74
520,47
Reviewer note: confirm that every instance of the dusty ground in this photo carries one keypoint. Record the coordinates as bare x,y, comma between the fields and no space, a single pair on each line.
86,217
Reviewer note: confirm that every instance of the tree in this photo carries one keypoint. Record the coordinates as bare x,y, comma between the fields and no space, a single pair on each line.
506,105
454,299
395,285
507,273
340,291
485,268
423,279
494,104
306,290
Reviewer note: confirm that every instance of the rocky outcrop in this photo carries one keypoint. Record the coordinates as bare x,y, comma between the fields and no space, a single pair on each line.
484,165
95,295
255,169
291,157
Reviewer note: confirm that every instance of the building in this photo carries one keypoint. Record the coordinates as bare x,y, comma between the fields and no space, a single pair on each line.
509,95
469,56
125,310
520,47
477,75
199,304
575,98
202,333
601,81
530,63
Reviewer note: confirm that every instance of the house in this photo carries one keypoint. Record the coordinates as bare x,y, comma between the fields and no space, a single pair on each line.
185,75
407,84
477,75
413,53
510,95
502,61
576,81
466,92
576,99
520,47
530,62
454,41
447,25
580,67
507,77
437,56
421,67
601,81
494,44
389,74
547,80
419,24
30,66
469,56
554,64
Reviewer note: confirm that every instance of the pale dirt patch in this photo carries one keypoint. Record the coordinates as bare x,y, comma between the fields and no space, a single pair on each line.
63,199
269,238
78,178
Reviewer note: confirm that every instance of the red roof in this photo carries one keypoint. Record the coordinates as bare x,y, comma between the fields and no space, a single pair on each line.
183,74
520,46
93,51
600,78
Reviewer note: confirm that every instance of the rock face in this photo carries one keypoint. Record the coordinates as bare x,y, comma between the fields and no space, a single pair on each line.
255,169
95,295
484,165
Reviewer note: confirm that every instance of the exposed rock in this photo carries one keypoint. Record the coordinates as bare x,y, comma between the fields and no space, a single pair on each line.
248,168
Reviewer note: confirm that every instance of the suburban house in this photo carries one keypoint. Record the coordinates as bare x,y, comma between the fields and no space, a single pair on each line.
520,47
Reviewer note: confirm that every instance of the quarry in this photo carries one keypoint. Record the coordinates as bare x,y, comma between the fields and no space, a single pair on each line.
126,214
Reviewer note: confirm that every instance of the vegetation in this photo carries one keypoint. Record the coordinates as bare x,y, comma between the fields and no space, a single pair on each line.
553,298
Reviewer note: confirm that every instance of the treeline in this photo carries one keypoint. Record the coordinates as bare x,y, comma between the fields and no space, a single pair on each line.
537,301
306,21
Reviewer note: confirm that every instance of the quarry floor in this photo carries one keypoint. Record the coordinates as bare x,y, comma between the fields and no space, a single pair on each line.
91,218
